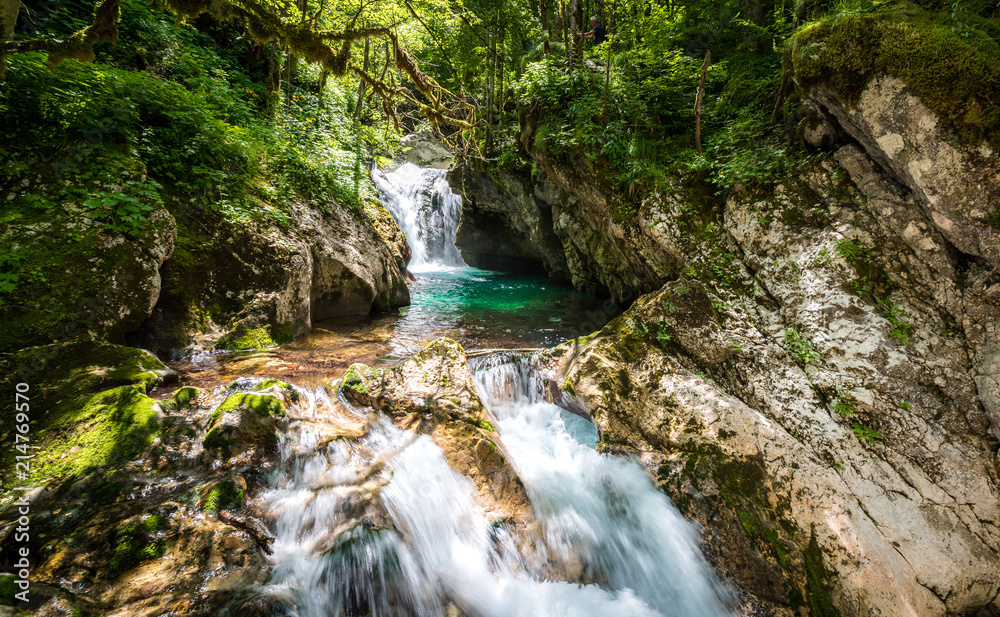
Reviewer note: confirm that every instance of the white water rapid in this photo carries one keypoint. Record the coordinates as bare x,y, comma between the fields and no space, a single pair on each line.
427,211
382,526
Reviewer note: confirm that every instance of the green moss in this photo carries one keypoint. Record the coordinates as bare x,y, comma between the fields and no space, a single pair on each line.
486,425
89,408
352,380
155,523
133,545
283,385
215,438
225,495
7,589
180,399
262,404
255,337
956,73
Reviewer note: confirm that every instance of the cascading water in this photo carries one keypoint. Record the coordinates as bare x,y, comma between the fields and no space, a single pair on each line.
597,509
427,211
382,525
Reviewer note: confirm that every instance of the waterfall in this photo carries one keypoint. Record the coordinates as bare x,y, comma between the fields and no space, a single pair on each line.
427,211
381,525
599,509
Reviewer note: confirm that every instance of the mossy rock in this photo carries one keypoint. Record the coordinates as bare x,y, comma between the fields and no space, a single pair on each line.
7,589
287,388
954,70
361,384
180,399
113,278
263,404
135,543
244,337
88,407
243,419
225,495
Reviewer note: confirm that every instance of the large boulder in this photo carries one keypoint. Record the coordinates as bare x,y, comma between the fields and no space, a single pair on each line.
72,275
826,425
608,249
257,285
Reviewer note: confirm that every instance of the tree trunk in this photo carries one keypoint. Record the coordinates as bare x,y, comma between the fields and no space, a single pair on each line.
8,18
607,73
566,36
357,121
698,99
575,7
781,96
544,15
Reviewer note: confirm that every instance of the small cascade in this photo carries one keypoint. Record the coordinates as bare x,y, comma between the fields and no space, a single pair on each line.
603,517
382,525
427,211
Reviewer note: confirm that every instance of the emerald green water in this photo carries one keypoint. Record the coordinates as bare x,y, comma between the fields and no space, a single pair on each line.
481,309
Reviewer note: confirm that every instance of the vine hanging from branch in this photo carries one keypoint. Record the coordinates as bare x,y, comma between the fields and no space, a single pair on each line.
330,48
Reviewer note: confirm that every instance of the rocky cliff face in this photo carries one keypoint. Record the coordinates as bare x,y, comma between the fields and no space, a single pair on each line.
263,286
815,378
191,276
507,222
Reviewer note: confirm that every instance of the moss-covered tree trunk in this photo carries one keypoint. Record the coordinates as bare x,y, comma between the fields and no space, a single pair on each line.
8,18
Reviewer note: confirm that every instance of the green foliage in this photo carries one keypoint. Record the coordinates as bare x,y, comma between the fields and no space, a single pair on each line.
844,405
869,435
800,346
663,335
895,315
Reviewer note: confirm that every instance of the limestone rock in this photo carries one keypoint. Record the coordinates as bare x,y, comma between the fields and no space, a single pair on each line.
505,225
263,286
242,424
112,285
425,150
433,393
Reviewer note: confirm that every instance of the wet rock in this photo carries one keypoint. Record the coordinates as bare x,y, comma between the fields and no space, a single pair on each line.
433,393
243,423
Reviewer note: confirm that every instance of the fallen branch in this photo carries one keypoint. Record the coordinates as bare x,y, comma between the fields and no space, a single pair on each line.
252,527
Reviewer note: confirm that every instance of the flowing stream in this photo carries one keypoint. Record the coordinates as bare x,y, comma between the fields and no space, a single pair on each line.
375,522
